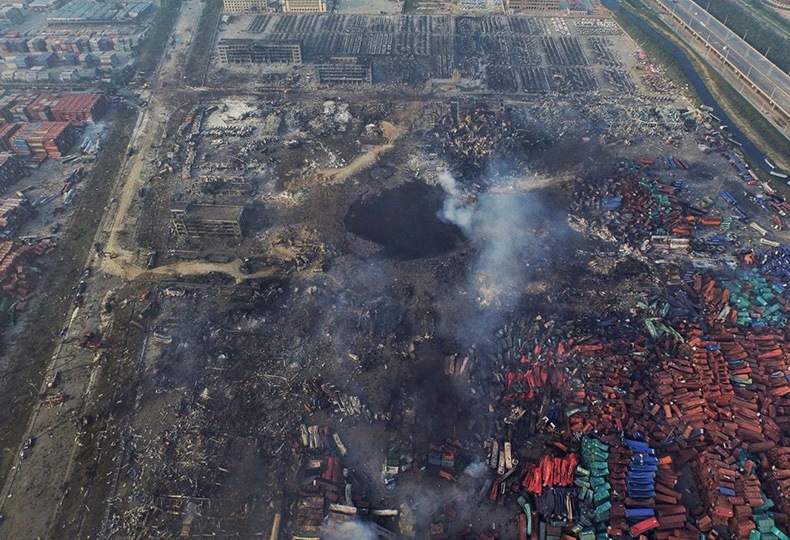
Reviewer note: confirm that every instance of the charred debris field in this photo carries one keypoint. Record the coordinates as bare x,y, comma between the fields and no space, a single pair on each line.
488,331
416,309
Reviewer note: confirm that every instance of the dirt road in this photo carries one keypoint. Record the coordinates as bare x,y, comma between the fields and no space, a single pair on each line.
32,497
146,131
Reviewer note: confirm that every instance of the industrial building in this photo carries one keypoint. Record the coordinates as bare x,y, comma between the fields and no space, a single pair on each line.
44,5
200,220
534,5
244,6
344,71
305,6
221,186
253,51
100,13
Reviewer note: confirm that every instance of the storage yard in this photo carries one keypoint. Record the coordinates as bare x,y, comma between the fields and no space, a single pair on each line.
404,276
71,46
532,55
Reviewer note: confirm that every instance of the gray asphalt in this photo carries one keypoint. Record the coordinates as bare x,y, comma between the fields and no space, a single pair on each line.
764,74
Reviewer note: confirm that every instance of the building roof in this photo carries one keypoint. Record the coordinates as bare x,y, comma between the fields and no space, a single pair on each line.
210,212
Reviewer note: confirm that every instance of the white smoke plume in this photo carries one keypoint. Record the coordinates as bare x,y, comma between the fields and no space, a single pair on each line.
349,530
476,469
454,210
500,224
500,271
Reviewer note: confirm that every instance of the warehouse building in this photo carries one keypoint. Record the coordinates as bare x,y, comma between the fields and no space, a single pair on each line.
252,51
534,5
201,220
244,6
305,6
99,13
221,186
344,71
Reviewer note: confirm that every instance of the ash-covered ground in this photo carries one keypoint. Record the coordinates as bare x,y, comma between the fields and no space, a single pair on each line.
414,262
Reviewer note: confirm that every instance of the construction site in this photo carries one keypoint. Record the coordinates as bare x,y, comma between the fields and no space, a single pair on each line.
420,276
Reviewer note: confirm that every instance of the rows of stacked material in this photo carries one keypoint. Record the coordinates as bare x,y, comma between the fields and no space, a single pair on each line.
31,61
757,515
11,168
776,480
549,472
710,394
641,488
13,213
71,41
594,488
19,141
6,100
715,385
754,417
612,399
748,501
744,405
17,108
679,410
670,511
80,108
759,300
40,108
770,389
51,139
619,459
16,278
7,131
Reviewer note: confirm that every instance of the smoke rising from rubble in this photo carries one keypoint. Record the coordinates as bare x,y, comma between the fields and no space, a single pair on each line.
454,210
476,469
349,530
509,229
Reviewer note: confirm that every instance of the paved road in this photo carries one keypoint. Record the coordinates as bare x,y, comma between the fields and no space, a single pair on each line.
764,74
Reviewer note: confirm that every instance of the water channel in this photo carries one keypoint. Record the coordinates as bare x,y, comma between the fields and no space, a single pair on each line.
749,148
